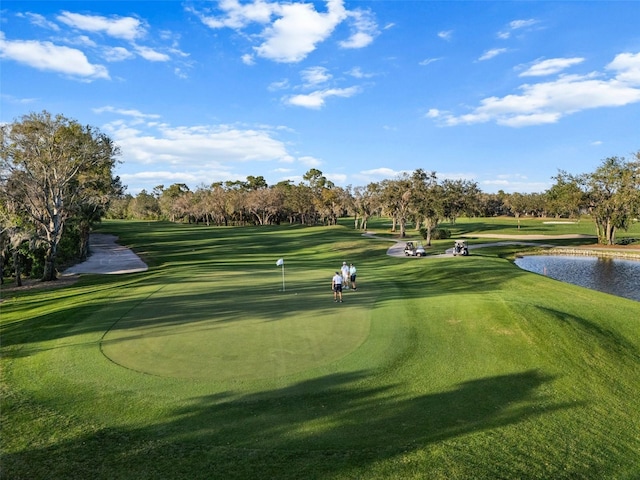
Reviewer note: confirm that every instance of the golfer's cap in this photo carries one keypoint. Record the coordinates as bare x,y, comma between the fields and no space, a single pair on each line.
344,263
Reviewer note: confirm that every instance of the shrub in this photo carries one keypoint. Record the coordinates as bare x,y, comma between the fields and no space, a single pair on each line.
441,234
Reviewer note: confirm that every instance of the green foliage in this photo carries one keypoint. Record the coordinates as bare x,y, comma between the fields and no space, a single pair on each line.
54,170
438,234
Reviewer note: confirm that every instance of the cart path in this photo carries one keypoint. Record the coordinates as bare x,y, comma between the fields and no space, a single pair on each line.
397,249
107,257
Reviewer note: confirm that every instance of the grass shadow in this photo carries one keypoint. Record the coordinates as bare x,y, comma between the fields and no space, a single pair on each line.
314,429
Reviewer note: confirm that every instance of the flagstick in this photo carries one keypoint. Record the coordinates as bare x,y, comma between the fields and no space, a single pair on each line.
283,276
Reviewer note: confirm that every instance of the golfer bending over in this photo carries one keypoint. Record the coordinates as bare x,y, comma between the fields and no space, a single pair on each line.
336,286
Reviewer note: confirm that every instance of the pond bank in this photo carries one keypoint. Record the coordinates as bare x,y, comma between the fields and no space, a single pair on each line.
629,253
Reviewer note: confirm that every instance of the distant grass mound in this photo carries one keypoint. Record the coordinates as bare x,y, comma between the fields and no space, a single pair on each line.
205,367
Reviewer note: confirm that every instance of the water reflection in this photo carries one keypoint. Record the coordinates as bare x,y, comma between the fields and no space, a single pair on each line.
611,275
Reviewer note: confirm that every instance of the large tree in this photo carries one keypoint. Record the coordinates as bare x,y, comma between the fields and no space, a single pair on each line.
428,201
367,201
264,204
613,193
396,199
460,196
55,169
565,198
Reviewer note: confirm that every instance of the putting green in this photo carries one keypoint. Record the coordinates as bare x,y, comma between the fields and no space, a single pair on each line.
205,331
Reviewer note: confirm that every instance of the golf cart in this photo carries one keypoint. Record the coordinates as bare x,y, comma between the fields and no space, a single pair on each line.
414,250
460,248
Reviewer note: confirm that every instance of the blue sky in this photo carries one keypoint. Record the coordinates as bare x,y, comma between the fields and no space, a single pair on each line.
501,93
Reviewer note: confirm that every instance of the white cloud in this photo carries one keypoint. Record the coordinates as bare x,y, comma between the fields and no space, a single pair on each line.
126,28
280,85
365,177
81,41
516,25
457,176
489,54
298,30
446,34
548,102
291,30
39,20
117,54
180,73
316,100
160,177
512,183
314,76
46,55
126,112
16,100
357,72
628,67
550,66
310,161
382,173
150,54
248,59
49,57
202,145
238,16
336,178
364,28
428,61
357,40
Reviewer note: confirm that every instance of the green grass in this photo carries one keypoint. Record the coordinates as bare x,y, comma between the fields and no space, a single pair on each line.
202,367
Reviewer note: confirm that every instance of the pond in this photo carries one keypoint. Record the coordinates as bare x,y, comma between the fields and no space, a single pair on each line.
611,275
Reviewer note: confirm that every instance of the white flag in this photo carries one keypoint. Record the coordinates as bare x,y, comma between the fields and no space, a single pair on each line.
280,262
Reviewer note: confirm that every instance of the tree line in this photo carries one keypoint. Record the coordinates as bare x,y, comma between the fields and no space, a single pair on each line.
610,195
57,181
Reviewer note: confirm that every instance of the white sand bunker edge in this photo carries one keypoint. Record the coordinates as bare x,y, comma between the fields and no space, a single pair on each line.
107,257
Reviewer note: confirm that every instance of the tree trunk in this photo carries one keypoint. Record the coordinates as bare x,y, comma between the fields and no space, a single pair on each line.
84,240
49,263
16,265
611,233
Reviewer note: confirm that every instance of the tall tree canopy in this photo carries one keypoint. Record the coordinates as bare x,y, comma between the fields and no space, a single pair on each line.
52,170
613,193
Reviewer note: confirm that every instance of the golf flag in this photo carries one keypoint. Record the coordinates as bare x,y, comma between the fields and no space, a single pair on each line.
280,263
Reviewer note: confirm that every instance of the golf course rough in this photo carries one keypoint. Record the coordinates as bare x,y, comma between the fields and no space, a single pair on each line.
440,368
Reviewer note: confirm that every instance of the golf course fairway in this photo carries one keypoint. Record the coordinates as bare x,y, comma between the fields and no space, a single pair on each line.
218,364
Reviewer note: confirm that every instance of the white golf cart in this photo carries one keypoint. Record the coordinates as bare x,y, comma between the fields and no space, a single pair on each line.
412,249
460,248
